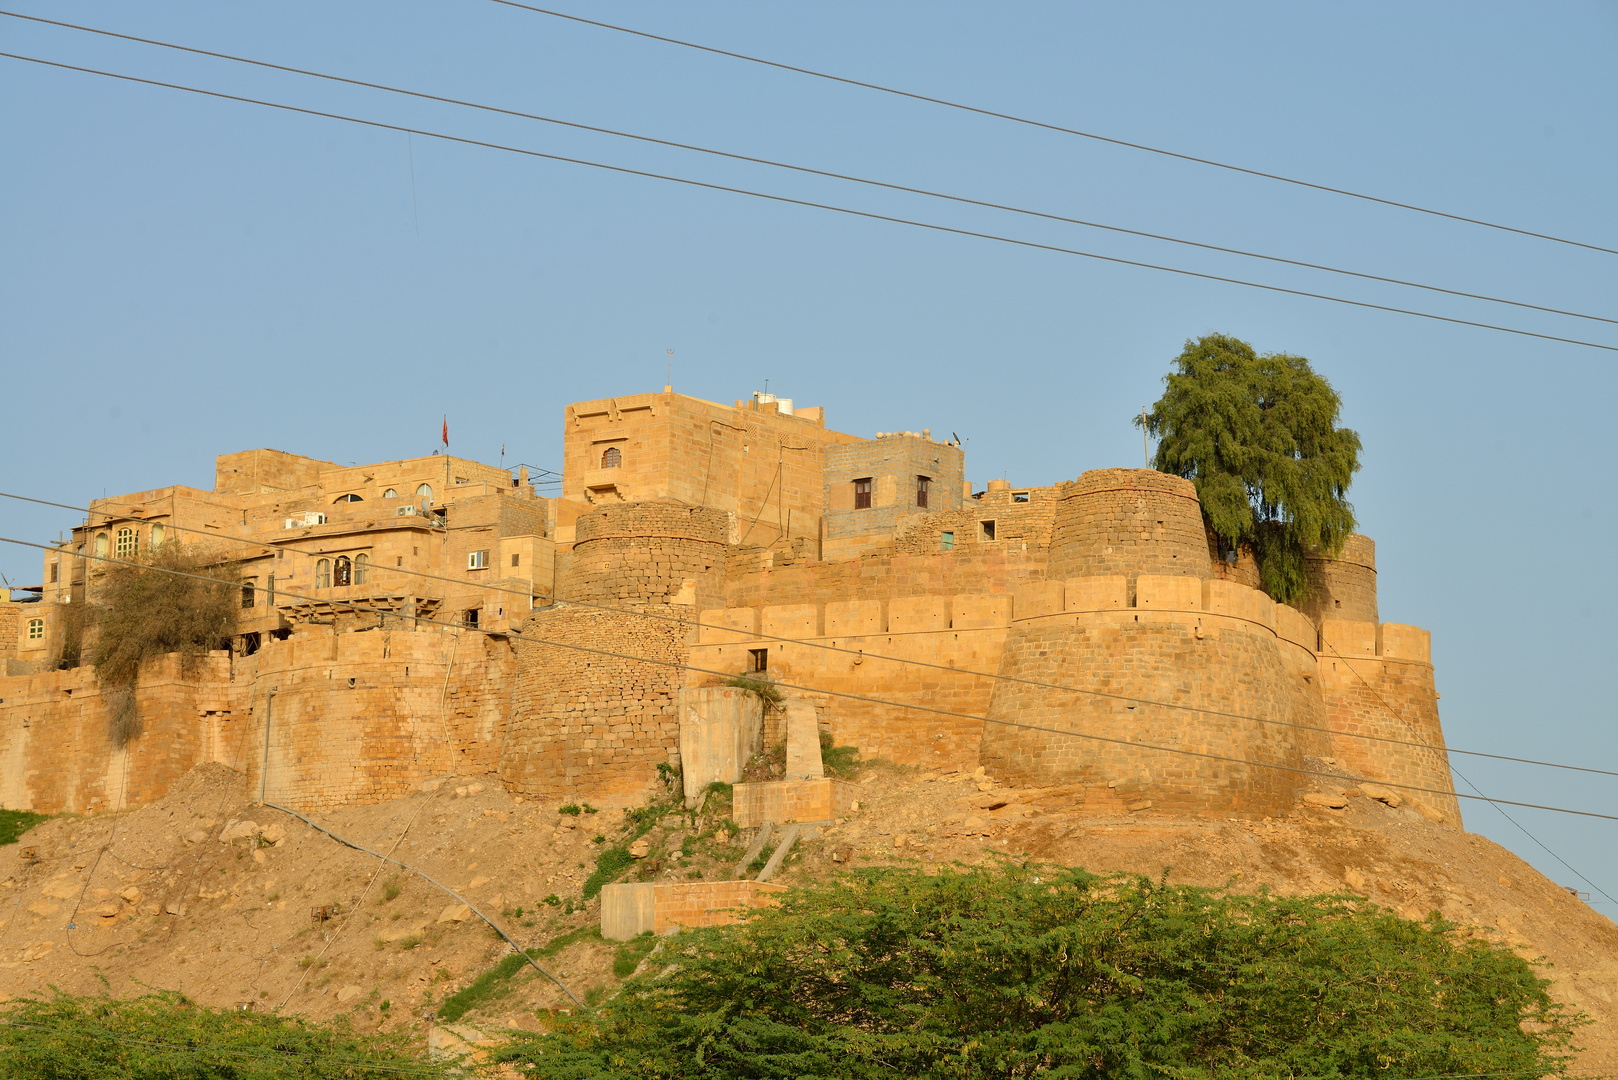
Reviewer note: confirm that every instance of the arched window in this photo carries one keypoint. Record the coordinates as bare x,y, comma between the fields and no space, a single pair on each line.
323,574
362,569
425,491
128,543
157,535
343,573
610,458
390,494
101,545
351,497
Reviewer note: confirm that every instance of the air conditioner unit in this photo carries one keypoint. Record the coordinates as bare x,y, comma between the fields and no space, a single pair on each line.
404,511
292,523
314,517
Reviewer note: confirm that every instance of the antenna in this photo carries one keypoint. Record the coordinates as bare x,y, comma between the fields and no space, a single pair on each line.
668,385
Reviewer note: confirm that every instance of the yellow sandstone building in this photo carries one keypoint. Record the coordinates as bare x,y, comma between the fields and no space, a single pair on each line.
408,618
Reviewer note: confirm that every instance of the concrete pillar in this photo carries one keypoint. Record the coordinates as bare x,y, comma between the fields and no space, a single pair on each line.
803,742
720,728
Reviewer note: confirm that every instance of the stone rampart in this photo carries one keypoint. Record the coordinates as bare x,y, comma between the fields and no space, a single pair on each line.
1128,521
636,554
1344,587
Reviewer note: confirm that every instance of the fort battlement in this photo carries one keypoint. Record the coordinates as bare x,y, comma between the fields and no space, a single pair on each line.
1089,632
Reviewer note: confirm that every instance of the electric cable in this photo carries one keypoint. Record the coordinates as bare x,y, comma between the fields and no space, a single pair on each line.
813,171
826,647
810,204
1389,709
519,635
1052,127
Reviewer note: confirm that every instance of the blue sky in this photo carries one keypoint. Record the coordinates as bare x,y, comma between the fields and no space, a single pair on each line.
181,277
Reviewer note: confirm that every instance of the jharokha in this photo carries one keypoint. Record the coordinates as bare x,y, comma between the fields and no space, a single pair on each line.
405,619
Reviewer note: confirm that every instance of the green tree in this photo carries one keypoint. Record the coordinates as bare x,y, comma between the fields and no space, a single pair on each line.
1037,971
1258,436
164,1036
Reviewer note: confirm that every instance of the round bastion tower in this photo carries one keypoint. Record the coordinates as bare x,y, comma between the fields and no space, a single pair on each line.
597,723
1185,662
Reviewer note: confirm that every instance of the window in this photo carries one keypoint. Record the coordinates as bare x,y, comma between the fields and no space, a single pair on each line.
758,661
946,541
471,618
425,491
1019,496
128,543
36,629
610,458
342,572
922,484
157,535
247,592
362,569
862,494
349,498
516,559
477,560
391,493
323,574
986,530
56,572
101,545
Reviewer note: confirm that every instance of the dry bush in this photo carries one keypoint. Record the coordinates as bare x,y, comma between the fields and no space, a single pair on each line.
144,611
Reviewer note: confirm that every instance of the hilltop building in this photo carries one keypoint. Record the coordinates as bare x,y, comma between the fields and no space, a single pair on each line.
411,617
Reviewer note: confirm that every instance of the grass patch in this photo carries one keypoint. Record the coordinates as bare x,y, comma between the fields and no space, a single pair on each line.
842,762
612,862
496,982
13,823
628,956
763,858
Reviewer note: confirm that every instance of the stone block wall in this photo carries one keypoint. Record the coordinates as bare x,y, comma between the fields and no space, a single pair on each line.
631,909
783,801
1344,587
592,724
652,553
887,577
1129,522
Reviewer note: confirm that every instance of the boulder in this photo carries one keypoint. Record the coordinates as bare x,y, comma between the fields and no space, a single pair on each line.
455,913
1381,794
241,830
1331,800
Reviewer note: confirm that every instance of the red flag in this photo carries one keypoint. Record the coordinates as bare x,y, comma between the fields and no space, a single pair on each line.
446,430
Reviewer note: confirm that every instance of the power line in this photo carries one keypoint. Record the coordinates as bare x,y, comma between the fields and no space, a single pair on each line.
1467,780
521,636
757,636
810,204
1052,127
908,189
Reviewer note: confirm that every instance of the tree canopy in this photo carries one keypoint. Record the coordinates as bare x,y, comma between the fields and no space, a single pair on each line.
1258,436
1025,971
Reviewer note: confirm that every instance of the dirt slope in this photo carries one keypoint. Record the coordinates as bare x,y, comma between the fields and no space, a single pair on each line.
170,903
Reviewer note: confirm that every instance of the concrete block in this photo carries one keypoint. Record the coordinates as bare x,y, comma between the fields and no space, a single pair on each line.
1106,593
1239,602
1168,592
1342,638
720,728
1401,642
792,620
1040,598
979,612
854,618
918,614
627,910
803,742
725,626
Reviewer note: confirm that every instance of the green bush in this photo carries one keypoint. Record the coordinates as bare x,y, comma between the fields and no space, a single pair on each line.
611,862
628,956
843,762
164,1036
570,808
768,694
1039,971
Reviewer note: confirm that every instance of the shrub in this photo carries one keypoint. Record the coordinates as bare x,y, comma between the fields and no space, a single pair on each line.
611,862
570,808
1023,971
843,762
627,957
769,695
144,611
164,1035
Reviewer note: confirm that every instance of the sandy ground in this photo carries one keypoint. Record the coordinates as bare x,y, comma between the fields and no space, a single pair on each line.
209,894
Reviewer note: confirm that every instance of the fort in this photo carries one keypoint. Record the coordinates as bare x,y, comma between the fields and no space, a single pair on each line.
405,619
